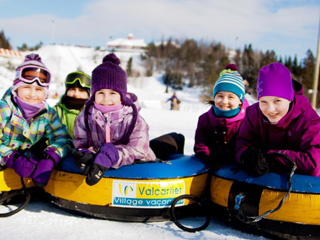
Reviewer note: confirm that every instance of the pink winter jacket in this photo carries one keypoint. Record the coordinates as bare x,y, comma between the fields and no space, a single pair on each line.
297,134
114,124
215,136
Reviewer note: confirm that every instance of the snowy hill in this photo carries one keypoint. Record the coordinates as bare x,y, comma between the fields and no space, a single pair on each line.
40,220
62,60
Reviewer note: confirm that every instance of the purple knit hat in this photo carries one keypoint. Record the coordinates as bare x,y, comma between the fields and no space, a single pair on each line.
275,80
109,75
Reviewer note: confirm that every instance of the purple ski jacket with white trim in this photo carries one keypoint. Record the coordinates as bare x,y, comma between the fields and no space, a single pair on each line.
215,137
297,134
117,121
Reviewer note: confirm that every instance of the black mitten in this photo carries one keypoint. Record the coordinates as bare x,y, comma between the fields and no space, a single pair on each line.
106,158
83,160
255,161
95,174
204,157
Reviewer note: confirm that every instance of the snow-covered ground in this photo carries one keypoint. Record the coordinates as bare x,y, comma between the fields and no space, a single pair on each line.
41,220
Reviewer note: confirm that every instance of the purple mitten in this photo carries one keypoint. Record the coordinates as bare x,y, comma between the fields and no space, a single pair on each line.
45,166
22,165
11,158
106,158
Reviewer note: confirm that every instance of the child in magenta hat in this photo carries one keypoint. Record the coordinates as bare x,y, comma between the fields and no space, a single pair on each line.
283,121
110,132
32,137
217,129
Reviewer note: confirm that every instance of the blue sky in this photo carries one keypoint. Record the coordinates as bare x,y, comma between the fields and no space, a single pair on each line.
290,27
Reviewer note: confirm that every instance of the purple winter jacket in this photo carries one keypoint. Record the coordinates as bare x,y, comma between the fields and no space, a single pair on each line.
297,134
215,137
117,123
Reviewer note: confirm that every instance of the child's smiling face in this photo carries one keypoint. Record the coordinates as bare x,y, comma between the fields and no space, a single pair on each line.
107,97
225,100
31,93
274,108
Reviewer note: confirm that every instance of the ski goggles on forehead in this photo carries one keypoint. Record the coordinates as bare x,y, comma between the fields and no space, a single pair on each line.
29,74
83,80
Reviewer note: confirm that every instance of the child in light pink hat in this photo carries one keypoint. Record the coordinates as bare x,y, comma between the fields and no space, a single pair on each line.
28,122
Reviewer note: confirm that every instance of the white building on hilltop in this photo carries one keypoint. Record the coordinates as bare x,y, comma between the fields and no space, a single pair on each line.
127,44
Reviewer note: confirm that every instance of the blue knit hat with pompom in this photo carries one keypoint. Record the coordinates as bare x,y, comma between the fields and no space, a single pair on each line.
230,80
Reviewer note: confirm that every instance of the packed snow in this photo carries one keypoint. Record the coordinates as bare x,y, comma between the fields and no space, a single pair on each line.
42,220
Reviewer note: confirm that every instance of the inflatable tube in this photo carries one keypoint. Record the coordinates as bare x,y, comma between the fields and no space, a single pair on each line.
14,189
10,181
139,192
237,196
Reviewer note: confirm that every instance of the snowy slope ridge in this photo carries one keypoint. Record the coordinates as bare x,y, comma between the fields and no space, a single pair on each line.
41,220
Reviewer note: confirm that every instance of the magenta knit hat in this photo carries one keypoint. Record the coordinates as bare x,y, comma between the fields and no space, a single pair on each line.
109,75
275,80
231,66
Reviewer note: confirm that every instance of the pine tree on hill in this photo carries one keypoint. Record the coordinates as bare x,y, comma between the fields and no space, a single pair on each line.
4,42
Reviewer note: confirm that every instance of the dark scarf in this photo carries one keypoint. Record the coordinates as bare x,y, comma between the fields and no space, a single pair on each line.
73,103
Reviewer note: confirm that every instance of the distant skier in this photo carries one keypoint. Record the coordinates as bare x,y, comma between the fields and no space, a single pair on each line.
175,102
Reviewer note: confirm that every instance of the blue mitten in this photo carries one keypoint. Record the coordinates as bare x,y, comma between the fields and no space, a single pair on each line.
107,157
45,166
22,165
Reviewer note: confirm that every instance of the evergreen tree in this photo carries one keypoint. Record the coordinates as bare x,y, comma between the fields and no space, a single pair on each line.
189,56
307,73
250,66
4,42
288,63
199,63
268,57
24,47
296,69
129,67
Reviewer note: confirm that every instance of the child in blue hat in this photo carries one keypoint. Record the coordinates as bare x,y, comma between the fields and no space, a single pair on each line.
217,129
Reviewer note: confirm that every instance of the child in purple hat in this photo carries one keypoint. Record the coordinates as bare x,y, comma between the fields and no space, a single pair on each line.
217,129
110,133
283,121
32,137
